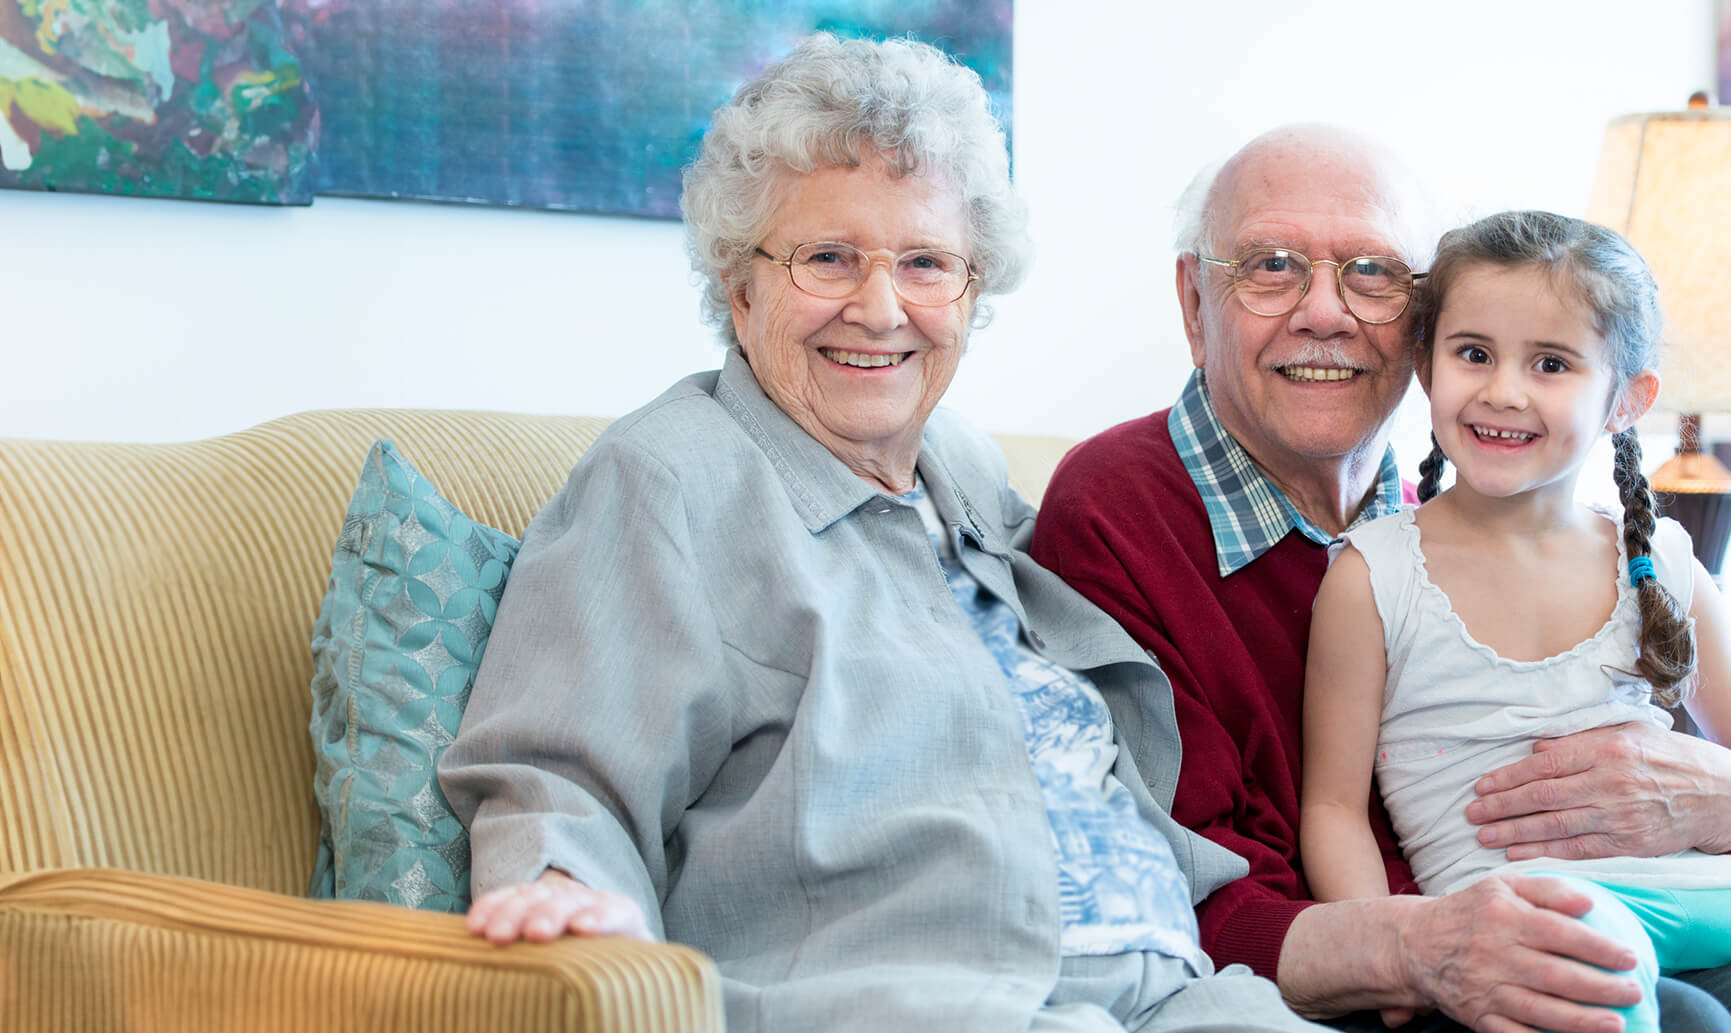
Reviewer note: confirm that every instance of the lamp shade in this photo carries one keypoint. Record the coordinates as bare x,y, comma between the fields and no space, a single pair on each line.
1664,182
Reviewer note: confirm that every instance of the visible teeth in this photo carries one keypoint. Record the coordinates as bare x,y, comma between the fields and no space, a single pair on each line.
1317,373
1505,435
866,360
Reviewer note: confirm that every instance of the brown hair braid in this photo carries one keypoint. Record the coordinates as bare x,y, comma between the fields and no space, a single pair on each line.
1430,471
1667,659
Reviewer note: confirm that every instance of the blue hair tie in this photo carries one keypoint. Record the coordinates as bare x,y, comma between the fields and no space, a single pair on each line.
1640,569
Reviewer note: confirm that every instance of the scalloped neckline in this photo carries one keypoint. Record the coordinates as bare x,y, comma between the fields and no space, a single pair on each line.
1613,624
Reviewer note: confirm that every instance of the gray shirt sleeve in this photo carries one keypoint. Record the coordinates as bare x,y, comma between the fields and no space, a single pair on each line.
598,713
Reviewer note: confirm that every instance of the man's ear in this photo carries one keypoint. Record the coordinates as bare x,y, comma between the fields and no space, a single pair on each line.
1190,301
1633,401
1421,369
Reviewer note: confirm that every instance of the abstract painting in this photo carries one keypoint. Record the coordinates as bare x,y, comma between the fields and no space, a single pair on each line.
156,98
584,105
587,105
1724,51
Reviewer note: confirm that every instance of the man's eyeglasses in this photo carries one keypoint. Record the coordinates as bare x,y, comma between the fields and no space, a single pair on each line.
831,269
1272,281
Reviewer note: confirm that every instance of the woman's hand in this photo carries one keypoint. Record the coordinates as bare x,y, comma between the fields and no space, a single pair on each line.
550,907
1631,790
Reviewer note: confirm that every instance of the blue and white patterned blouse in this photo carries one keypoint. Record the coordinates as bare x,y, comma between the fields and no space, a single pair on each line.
1120,887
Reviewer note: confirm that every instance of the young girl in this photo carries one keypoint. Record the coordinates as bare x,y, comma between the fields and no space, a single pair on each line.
1447,639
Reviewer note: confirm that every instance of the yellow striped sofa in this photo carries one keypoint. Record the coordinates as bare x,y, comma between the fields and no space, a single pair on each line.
157,821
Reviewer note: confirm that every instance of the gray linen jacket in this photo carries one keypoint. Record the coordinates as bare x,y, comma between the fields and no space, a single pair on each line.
728,680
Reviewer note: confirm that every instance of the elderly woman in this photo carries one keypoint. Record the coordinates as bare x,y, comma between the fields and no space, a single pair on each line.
773,677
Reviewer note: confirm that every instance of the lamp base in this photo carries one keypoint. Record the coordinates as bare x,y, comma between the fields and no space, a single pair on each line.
1694,488
1707,518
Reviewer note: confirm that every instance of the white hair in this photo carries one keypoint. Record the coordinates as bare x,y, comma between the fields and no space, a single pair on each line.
835,102
1192,216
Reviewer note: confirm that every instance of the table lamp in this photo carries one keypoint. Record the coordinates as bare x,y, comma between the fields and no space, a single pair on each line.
1664,182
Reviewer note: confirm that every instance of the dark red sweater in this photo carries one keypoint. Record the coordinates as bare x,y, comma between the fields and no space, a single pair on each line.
1123,523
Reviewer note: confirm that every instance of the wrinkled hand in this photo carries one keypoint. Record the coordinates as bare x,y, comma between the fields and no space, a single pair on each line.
550,907
1505,955
1625,790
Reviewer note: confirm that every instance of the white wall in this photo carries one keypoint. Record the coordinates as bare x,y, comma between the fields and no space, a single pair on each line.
154,320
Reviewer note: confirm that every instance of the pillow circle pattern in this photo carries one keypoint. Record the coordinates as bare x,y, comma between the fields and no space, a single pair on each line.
414,587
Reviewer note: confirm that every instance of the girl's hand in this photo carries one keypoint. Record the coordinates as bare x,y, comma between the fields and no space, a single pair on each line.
550,907
1632,790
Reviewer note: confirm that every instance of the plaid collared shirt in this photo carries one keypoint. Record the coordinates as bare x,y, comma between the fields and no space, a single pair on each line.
1247,512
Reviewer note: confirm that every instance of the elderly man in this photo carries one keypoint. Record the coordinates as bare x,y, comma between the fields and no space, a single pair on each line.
1203,529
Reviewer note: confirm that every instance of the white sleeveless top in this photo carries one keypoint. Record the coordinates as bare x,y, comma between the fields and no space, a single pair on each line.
1454,710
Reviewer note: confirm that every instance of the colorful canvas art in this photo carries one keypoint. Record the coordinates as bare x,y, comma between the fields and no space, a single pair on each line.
589,105
586,105
157,98
1724,51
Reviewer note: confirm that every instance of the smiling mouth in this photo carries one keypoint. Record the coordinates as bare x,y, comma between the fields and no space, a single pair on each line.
1317,374
1501,437
864,360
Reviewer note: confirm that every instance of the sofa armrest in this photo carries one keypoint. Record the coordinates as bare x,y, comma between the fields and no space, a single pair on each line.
95,948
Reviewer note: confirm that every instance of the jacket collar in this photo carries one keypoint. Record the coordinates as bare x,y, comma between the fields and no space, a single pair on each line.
821,486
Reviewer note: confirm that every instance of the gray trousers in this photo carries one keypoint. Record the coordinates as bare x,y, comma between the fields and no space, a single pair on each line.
1148,992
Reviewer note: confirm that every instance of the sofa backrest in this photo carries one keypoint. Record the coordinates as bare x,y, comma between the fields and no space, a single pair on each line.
156,609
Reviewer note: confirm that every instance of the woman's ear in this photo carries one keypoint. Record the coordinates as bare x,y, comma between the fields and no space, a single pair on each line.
740,305
1633,401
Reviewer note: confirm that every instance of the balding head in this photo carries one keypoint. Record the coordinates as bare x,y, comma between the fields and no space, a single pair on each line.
1300,157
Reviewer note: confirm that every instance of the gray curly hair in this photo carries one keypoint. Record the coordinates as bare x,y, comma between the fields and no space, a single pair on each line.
835,102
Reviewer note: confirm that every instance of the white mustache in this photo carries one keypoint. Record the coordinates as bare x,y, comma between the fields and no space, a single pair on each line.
1321,354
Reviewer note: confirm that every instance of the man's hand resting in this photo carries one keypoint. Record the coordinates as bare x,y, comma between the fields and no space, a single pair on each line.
1505,954
1631,790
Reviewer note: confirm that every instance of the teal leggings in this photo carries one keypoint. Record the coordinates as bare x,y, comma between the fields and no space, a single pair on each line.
1670,930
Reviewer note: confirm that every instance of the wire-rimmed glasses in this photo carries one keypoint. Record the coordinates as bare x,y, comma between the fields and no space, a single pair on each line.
1272,281
834,270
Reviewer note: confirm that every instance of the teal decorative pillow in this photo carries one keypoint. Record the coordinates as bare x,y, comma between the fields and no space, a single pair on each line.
414,587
